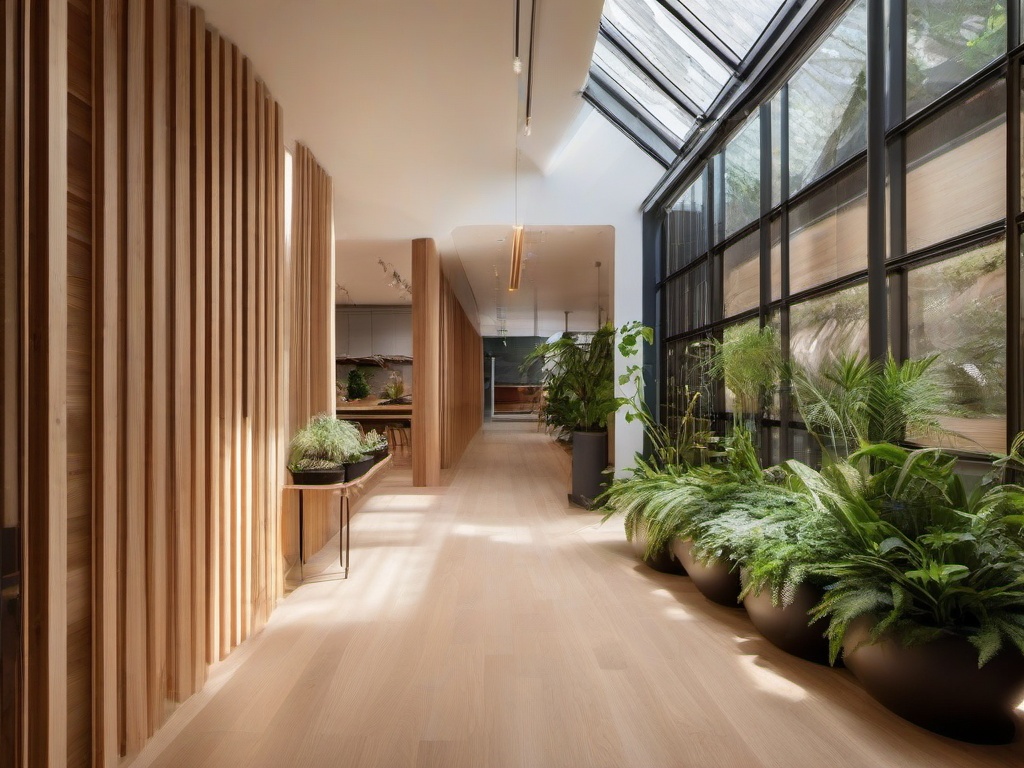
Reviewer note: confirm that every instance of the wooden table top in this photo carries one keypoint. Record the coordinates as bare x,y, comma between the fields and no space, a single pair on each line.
372,407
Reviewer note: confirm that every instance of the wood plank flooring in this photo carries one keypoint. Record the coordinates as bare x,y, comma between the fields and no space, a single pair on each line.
490,624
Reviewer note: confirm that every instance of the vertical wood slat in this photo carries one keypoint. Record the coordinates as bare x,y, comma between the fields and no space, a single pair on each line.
182,674
108,415
239,559
43,331
134,566
201,498
79,390
213,353
227,352
157,361
12,74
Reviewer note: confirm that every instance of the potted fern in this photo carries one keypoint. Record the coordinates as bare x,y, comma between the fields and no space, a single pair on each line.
675,449
927,598
319,451
840,404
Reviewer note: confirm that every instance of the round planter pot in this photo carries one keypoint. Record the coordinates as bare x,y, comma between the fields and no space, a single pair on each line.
664,561
319,476
787,626
589,460
715,580
357,469
938,685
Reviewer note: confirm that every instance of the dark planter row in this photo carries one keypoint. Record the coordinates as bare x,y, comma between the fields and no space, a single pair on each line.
345,473
937,685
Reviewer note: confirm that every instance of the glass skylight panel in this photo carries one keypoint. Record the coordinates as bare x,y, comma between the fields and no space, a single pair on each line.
642,89
737,24
669,47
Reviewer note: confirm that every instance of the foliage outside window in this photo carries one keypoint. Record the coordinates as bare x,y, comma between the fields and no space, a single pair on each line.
823,327
743,177
957,309
828,102
947,42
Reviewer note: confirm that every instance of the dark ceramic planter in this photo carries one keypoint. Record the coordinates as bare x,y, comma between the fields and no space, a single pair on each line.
357,469
716,580
938,685
319,476
787,627
664,561
589,461
380,455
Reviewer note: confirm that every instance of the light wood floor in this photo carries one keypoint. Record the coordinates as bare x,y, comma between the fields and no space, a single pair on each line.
490,624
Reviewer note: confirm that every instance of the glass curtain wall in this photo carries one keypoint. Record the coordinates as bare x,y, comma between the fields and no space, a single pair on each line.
773,227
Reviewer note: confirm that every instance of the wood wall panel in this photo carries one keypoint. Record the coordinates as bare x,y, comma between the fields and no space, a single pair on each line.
426,351
462,377
448,385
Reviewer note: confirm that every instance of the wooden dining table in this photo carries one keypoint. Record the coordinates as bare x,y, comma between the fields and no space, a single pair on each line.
370,412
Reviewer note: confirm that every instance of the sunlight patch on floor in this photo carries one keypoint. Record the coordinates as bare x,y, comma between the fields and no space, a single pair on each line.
504,534
769,681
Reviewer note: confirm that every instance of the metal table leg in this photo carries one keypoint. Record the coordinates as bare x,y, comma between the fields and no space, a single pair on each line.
302,556
344,536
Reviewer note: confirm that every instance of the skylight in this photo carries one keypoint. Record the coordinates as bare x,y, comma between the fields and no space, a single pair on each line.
664,64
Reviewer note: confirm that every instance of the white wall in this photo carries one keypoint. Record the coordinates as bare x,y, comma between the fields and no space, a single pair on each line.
601,177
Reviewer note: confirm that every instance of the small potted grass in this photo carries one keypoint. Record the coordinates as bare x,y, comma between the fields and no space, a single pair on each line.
319,450
376,445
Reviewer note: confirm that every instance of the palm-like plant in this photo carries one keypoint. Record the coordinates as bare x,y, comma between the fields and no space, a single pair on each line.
748,359
851,400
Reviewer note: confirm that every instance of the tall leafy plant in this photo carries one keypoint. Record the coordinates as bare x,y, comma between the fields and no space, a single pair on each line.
579,380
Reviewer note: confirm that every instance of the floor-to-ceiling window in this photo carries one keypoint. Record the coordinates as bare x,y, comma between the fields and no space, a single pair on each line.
771,226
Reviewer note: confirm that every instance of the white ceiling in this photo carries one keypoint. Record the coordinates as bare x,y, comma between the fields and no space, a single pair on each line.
414,109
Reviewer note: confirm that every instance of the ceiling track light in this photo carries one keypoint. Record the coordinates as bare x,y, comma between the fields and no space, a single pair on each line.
516,271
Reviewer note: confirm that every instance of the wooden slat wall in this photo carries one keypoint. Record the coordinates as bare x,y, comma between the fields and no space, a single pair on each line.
448,385
311,344
462,377
145,302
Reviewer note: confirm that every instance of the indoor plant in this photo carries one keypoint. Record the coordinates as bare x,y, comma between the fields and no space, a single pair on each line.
319,450
673,452
579,377
358,386
375,444
927,600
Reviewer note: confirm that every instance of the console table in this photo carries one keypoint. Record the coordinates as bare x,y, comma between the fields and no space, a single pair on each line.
349,493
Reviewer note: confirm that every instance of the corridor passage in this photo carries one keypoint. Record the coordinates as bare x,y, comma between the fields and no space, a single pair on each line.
490,624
